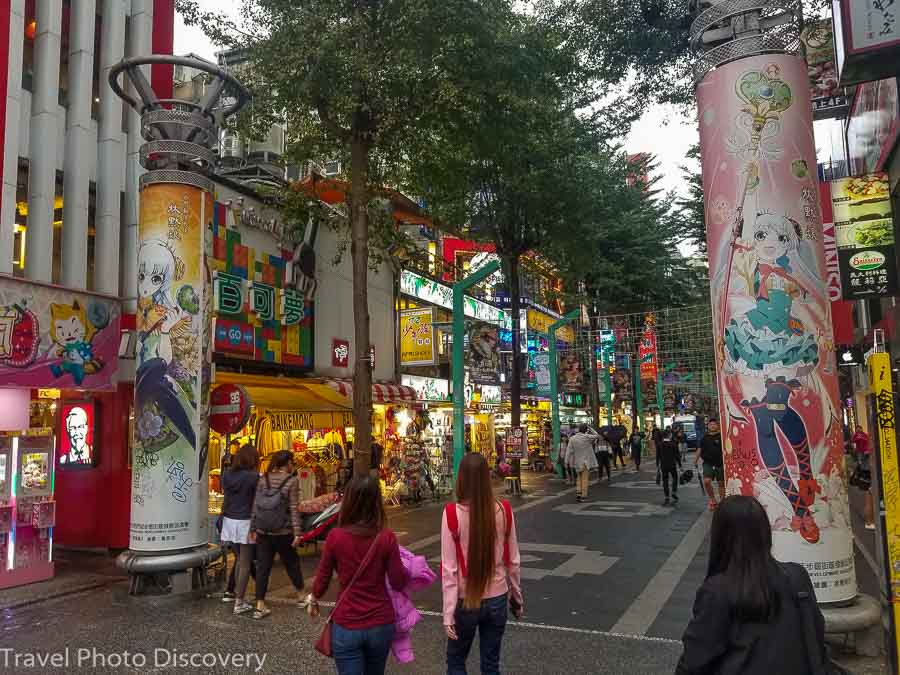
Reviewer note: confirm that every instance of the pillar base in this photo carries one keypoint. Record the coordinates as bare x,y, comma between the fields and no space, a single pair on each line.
862,619
176,572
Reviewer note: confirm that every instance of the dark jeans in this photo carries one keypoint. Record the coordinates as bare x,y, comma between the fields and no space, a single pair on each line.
267,545
603,461
668,473
636,457
361,652
618,456
490,622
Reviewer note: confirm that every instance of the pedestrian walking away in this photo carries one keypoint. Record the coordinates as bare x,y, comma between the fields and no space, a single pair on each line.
583,460
862,446
239,482
668,463
636,444
567,470
480,569
275,527
753,615
710,453
363,552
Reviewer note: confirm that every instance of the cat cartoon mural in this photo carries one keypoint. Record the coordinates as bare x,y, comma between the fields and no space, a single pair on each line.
72,332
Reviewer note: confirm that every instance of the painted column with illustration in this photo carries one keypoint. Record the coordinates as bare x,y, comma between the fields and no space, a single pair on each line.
169,506
777,375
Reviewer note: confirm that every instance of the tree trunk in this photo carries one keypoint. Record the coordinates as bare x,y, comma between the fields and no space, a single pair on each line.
359,252
515,380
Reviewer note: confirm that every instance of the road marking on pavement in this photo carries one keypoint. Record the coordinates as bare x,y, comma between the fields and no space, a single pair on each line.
541,626
611,509
870,561
429,540
638,618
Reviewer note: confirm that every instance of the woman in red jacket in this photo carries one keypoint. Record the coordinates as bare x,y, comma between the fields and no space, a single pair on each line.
363,626
480,568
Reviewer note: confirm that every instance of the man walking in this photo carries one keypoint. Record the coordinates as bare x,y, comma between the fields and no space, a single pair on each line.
668,461
604,454
581,455
713,467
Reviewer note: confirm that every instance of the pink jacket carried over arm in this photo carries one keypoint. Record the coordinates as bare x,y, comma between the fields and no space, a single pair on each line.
420,576
503,581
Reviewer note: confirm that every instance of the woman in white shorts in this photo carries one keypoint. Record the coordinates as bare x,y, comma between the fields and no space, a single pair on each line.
239,485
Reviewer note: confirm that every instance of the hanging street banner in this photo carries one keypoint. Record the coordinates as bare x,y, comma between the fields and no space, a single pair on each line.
571,374
417,344
647,354
483,353
774,346
864,230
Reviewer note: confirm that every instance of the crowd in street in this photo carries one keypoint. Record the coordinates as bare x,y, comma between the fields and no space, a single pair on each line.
747,598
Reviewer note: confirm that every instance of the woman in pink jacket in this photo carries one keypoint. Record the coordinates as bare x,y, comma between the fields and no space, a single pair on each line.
480,568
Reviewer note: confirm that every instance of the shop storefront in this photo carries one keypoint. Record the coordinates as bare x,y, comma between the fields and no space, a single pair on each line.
63,425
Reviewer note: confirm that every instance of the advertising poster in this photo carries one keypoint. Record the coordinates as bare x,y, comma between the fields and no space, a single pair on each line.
483,353
777,376
864,233
76,435
174,356
417,343
541,361
828,99
428,388
54,338
516,443
880,379
571,374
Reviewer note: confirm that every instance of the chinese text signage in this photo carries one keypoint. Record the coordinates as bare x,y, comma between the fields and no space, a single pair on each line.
417,343
442,295
864,232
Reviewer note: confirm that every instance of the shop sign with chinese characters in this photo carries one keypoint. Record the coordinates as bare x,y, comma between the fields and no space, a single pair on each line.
417,343
305,421
865,236
441,295
541,322
257,316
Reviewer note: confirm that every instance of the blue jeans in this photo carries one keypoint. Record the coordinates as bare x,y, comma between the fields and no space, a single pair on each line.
490,622
361,652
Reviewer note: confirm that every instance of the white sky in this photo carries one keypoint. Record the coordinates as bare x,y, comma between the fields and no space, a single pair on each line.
662,131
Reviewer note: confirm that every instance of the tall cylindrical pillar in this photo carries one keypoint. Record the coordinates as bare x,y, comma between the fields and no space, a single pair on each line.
173,280
776,367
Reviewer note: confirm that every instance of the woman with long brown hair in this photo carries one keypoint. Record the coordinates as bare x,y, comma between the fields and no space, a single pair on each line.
363,551
480,568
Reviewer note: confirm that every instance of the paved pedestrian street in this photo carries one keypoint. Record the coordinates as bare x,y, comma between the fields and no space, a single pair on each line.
608,588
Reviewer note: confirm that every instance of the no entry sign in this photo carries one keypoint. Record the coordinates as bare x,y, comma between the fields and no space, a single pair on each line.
229,408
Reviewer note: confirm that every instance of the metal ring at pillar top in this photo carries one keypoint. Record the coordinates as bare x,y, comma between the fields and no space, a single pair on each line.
727,30
222,82
174,176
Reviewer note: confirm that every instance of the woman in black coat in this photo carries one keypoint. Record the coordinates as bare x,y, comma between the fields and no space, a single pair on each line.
748,614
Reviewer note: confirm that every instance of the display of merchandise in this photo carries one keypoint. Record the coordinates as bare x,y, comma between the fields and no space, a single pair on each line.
43,514
6,518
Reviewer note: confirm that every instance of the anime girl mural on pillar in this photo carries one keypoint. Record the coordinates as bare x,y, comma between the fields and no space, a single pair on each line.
173,369
775,354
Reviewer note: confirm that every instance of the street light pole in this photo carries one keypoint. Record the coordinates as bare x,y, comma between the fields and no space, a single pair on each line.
554,382
457,365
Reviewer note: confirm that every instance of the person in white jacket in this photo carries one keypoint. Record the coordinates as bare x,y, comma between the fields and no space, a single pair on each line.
582,458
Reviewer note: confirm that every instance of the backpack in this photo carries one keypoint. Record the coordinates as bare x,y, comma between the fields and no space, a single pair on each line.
453,526
272,508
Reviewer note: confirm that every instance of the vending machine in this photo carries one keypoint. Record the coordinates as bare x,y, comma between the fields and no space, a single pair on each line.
27,509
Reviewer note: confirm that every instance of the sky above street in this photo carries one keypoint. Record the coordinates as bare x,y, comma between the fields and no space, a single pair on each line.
662,131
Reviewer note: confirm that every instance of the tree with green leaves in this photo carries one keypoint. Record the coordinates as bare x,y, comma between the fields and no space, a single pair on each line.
356,80
691,205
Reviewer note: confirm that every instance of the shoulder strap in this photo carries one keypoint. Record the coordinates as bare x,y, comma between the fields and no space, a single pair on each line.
508,517
365,562
453,526
803,600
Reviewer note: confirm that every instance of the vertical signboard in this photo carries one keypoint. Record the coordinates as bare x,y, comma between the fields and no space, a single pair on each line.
417,343
483,354
828,99
174,353
886,419
864,232
776,371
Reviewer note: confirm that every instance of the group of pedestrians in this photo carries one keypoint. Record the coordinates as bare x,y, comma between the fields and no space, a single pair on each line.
373,617
586,451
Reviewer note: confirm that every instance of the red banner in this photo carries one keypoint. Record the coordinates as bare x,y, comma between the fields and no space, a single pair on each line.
647,354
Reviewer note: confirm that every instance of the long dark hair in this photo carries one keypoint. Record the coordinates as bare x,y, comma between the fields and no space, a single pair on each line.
362,511
245,458
278,461
473,488
740,549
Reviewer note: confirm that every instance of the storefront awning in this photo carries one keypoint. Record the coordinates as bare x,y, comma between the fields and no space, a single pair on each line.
288,393
381,392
